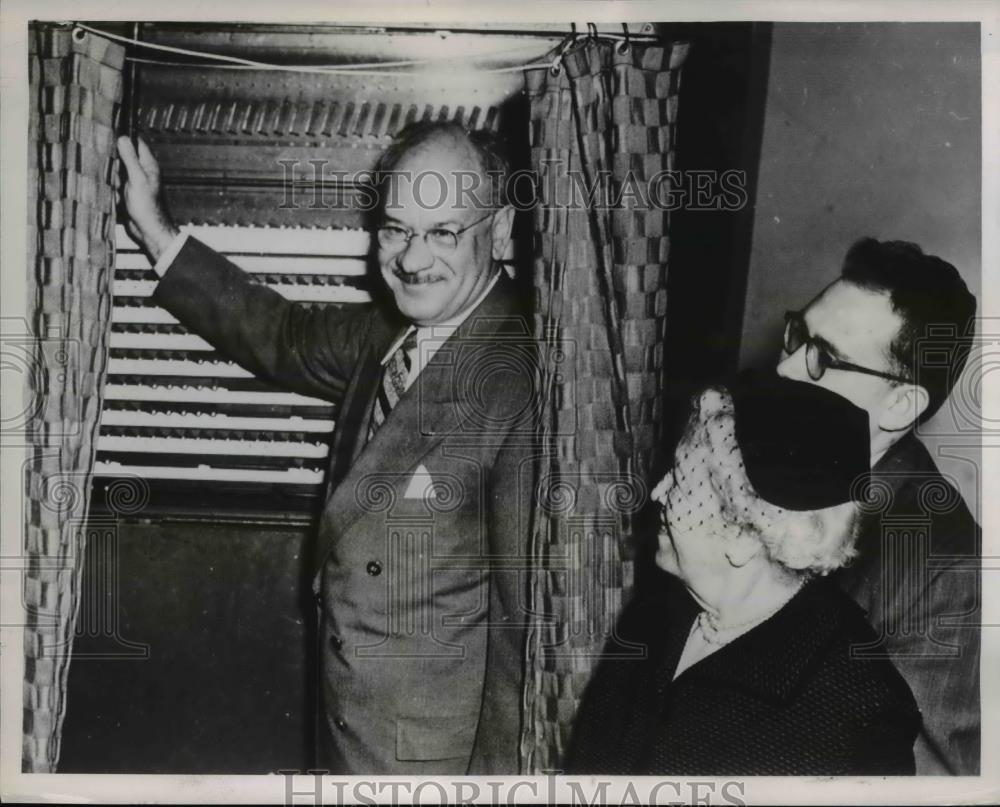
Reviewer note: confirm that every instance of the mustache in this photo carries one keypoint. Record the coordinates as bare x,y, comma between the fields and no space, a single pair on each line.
420,278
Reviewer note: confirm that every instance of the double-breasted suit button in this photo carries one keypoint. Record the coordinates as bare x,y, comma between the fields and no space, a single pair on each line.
340,723
374,568
336,642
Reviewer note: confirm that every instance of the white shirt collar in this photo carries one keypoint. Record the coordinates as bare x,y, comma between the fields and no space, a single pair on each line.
435,335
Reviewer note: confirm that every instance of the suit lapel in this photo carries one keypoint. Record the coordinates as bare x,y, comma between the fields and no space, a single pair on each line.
429,410
354,417
407,435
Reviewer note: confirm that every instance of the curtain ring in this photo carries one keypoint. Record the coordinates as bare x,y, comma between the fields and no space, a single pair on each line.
79,34
556,65
623,46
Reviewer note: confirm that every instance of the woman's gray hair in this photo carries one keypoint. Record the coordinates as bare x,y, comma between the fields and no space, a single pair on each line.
804,542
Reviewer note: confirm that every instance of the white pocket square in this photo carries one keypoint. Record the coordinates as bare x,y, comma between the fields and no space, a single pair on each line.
421,485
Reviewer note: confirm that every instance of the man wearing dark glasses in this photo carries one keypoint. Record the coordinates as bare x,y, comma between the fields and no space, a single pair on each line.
892,335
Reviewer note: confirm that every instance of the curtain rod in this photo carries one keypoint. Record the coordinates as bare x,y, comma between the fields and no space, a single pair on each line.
235,62
622,31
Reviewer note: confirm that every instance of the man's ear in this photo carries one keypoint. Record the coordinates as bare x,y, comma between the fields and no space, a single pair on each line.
741,549
503,226
903,405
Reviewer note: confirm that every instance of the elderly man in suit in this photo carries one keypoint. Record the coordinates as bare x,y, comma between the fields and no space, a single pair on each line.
892,335
422,539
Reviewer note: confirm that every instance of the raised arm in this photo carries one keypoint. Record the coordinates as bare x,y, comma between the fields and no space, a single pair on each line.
306,349
149,224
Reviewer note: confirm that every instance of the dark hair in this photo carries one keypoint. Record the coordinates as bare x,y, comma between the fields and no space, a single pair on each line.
490,148
932,300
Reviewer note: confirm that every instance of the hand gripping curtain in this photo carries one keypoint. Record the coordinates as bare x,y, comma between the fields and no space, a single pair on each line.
76,85
602,138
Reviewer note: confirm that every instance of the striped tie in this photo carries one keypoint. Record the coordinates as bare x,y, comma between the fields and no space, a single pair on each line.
394,378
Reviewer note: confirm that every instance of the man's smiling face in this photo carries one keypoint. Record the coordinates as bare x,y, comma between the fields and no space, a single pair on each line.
430,284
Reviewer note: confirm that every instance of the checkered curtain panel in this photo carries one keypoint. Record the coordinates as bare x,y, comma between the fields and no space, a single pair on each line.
76,85
602,134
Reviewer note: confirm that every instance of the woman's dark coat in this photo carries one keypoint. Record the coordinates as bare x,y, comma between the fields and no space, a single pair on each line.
785,698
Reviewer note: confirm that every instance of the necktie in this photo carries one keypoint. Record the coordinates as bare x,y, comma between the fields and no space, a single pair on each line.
394,378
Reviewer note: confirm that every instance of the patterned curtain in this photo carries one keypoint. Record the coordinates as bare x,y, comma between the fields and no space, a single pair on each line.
76,86
602,135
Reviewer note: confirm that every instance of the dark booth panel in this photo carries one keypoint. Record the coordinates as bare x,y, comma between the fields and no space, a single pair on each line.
719,130
192,652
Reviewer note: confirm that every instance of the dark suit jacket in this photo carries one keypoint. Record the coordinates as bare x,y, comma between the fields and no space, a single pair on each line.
917,575
785,698
421,625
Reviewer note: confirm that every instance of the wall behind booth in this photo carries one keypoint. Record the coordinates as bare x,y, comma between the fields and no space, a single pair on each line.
870,129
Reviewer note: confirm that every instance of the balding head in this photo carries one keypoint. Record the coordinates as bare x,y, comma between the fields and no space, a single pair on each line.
479,154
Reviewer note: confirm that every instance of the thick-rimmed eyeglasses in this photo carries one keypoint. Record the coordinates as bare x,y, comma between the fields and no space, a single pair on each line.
818,358
440,240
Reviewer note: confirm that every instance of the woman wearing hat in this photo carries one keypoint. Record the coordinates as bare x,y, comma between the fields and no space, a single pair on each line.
743,660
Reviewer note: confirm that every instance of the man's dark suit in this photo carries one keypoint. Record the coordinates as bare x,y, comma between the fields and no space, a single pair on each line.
917,576
421,631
